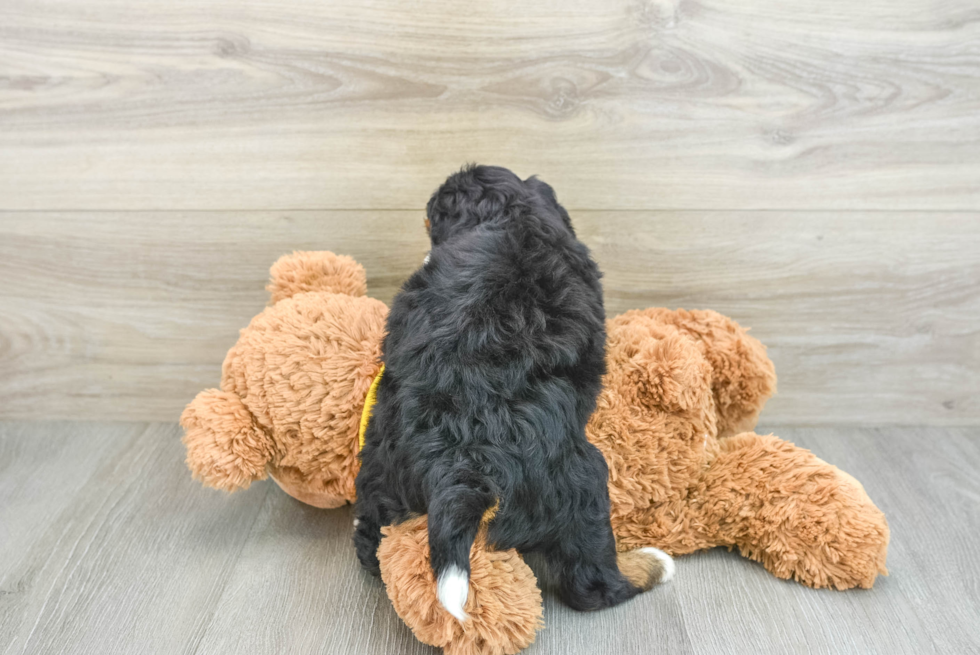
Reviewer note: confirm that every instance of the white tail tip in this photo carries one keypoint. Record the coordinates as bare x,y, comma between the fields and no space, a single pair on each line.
452,589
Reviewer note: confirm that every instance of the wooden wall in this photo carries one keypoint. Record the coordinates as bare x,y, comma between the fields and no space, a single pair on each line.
811,169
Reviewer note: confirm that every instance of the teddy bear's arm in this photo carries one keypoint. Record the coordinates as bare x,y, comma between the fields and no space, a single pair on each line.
226,448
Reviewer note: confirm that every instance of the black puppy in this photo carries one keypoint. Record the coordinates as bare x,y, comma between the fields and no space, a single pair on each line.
493,358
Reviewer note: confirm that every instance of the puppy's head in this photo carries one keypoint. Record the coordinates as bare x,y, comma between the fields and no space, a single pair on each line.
480,194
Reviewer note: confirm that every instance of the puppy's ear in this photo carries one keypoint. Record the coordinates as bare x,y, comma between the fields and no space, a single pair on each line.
544,191
438,217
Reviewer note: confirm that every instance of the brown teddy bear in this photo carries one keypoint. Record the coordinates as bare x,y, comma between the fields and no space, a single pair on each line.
681,391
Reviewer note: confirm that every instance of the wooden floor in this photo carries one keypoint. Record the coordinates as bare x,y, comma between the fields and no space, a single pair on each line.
108,546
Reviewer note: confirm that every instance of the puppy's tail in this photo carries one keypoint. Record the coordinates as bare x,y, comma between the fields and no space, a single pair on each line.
456,511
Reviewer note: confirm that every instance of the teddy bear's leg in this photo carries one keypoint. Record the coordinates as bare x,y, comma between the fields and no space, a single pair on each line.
303,272
503,605
226,448
743,376
799,516
654,417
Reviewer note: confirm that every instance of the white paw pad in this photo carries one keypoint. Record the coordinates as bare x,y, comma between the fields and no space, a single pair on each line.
665,559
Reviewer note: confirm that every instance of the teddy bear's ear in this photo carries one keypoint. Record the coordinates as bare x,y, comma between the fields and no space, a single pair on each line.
303,272
669,373
743,376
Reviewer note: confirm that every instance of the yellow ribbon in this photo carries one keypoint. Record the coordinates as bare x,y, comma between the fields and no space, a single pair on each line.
369,402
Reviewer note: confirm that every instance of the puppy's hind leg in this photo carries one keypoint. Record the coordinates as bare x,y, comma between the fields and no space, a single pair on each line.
589,572
592,576
646,567
369,517
367,538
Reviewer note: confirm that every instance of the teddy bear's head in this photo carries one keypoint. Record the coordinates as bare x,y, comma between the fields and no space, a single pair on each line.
293,386
654,414
676,382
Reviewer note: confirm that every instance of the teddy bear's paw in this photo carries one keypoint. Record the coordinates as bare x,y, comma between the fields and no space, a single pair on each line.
225,448
646,567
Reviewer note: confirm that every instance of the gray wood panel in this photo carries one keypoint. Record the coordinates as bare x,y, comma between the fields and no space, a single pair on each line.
128,556
621,104
109,547
297,588
870,317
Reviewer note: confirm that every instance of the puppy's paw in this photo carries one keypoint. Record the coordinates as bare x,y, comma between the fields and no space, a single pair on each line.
646,567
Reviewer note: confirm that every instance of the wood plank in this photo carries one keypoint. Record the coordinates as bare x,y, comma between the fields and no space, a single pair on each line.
131,555
42,471
109,547
621,105
298,588
651,624
126,315
870,317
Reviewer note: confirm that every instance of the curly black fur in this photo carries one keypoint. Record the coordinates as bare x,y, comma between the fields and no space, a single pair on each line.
493,360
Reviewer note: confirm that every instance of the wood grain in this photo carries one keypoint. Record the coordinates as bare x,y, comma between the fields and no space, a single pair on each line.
109,547
297,588
656,104
870,317
129,556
